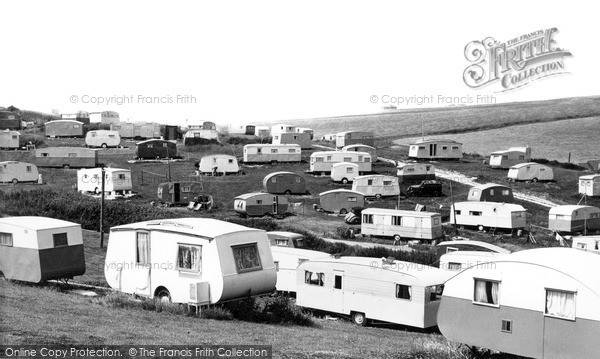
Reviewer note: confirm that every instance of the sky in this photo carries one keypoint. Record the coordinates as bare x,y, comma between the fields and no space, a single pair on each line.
235,62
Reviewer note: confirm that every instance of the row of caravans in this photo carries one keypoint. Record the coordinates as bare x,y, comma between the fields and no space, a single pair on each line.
497,303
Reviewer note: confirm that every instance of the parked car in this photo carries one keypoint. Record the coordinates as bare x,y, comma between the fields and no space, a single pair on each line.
426,188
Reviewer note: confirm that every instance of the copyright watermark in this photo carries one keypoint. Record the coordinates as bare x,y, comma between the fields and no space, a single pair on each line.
436,100
139,99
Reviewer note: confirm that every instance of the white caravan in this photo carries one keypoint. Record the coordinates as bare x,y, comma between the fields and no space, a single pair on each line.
287,261
198,261
530,171
344,172
321,161
372,289
488,215
117,182
400,224
376,185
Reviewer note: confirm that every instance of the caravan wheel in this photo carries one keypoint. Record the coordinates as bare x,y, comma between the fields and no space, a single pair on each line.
66,166
164,296
397,238
359,319
480,228
344,180
534,180
343,211
287,192
97,190
378,195
104,145
15,181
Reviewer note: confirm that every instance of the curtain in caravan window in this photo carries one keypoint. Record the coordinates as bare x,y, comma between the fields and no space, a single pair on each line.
560,304
307,276
143,247
189,257
486,292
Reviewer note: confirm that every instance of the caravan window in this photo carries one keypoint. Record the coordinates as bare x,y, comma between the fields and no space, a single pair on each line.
6,239
165,145
436,221
455,147
579,245
434,292
28,169
314,278
347,159
274,179
281,242
475,213
230,161
410,170
351,199
396,221
72,155
60,239
259,201
273,150
421,147
337,282
292,150
186,189
349,170
403,291
491,191
387,183
189,258
367,218
45,154
246,257
318,159
486,292
560,304
444,148
505,192
142,243
427,168
369,182
457,212
521,157
454,266
297,179
111,136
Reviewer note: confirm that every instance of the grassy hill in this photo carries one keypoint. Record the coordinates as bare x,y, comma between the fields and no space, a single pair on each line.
407,123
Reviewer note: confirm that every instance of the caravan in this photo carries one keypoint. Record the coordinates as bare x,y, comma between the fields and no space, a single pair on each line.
179,193
15,172
412,172
153,149
37,249
376,186
260,204
530,171
284,183
589,185
399,224
117,182
510,157
587,243
537,303
435,149
362,148
66,157
321,161
574,218
196,261
344,172
9,139
289,138
63,128
488,215
372,289
265,153
219,164
340,201
102,138
491,192
287,260
354,137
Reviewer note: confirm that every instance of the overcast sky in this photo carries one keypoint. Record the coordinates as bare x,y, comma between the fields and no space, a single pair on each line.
259,61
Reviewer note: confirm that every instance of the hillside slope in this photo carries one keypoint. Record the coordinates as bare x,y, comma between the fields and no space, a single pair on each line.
406,123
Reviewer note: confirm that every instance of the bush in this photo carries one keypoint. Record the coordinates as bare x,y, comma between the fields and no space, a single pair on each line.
37,140
76,207
269,310
217,313
554,163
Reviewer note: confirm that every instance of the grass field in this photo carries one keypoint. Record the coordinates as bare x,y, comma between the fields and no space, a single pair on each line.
433,121
554,140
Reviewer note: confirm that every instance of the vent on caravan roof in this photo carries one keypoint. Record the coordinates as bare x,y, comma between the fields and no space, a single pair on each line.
170,223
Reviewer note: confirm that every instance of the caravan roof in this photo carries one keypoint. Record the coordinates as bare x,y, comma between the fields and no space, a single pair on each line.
340,191
512,149
392,211
421,274
434,140
589,177
568,209
489,246
204,227
37,223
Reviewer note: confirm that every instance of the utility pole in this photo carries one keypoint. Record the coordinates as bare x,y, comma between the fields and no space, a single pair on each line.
102,211
452,210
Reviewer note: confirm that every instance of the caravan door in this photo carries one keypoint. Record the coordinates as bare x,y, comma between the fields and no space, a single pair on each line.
135,277
337,292
433,149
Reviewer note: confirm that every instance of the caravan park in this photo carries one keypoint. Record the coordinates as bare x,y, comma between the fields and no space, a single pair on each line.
161,194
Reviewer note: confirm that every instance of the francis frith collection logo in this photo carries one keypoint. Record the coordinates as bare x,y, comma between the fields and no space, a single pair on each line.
514,63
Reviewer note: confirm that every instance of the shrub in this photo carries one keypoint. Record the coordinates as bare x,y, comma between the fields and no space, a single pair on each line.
554,163
36,140
280,310
217,313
